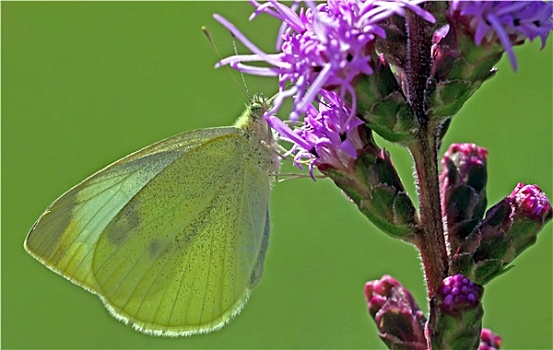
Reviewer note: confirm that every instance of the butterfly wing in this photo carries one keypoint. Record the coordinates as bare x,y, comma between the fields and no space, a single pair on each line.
171,238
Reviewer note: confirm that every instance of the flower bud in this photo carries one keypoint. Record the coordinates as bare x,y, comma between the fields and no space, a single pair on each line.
489,340
463,190
509,228
399,320
456,314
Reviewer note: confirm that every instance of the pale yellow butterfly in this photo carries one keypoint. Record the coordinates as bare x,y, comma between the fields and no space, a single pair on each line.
172,237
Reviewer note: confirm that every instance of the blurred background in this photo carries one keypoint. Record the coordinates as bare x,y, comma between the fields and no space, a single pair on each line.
87,83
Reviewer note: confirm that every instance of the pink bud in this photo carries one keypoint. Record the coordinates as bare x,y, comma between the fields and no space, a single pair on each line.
532,202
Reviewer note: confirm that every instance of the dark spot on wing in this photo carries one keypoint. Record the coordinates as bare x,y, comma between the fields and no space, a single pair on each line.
117,237
158,247
121,226
133,218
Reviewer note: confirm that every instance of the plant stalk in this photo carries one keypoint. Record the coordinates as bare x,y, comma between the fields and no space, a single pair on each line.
430,241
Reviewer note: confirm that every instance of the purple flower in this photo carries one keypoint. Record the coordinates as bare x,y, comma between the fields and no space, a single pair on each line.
323,47
320,49
329,135
509,22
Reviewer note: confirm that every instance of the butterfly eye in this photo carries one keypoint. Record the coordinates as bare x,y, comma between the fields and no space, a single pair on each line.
259,106
256,111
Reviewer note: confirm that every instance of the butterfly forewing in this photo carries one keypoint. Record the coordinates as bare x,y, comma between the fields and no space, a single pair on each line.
63,237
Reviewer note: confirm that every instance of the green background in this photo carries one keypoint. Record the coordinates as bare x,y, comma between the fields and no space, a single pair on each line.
87,83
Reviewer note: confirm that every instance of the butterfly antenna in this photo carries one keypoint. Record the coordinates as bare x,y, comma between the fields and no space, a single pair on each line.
284,177
241,73
229,70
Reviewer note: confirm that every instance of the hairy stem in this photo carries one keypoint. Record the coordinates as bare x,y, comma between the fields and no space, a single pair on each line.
430,241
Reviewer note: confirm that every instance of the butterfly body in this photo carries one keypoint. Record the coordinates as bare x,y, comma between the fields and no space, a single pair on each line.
173,237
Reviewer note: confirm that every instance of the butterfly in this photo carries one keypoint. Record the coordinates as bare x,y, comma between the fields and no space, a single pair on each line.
173,237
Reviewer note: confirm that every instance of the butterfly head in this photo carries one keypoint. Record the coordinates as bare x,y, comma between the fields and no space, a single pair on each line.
257,131
252,121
